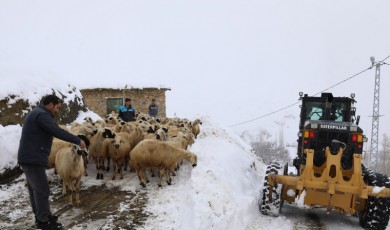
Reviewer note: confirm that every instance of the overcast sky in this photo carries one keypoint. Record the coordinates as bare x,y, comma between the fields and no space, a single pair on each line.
227,59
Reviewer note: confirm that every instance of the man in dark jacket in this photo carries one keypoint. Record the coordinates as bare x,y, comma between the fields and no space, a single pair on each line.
127,112
153,108
38,130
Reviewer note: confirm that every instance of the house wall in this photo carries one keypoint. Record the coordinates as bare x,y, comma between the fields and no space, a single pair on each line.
96,99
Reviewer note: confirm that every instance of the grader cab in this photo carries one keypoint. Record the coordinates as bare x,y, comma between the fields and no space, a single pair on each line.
330,173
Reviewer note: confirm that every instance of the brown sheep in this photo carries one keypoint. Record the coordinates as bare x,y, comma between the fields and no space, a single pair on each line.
158,154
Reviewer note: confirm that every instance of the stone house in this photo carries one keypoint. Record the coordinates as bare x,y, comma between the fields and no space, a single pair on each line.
105,100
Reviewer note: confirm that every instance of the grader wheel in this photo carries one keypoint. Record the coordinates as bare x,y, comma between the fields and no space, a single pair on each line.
267,206
376,213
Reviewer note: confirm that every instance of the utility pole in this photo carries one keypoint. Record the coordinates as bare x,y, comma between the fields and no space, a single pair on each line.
375,117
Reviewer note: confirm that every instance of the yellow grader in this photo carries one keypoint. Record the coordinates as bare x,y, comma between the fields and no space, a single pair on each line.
330,173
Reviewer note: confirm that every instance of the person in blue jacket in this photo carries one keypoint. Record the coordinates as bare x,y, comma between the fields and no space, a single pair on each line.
127,112
39,128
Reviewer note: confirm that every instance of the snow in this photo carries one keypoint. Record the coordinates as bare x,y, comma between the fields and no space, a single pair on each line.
291,192
377,190
300,199
222,190
24,87
9,144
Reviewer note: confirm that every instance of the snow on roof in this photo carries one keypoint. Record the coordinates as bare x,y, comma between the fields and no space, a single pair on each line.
34,88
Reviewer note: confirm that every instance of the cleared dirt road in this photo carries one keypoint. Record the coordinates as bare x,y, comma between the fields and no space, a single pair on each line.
101,207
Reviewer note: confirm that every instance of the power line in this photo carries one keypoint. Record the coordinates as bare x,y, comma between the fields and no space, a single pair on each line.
343,81
265,115
385,59
288,106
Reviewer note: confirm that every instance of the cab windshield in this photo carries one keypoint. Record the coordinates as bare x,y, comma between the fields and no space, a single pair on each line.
317,111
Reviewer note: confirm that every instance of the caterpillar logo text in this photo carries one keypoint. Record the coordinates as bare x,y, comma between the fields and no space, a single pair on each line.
337,127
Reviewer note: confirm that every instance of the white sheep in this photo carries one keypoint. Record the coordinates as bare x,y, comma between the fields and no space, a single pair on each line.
60,144
98,149
146,126
158,154
100,123
173,130
70,167
55,147
85,128
118,148
89,120
88,130
196,127
119,126
182,140
190,139
128,127
111,119
150,136
162,134
136,136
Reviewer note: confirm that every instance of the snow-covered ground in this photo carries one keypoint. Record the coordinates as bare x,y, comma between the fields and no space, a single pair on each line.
221,192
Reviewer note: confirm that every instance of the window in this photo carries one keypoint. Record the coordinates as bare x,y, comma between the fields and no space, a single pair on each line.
315,111
338,110
114,104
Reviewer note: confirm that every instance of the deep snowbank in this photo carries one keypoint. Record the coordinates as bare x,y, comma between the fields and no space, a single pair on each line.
221,192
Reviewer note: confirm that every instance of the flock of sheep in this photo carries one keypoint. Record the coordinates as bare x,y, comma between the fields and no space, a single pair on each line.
146,143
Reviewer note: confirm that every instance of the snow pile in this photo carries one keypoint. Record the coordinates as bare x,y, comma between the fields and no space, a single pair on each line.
9,144
221,192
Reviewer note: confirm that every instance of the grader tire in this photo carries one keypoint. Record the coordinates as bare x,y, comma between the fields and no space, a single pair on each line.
376,213
268,207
